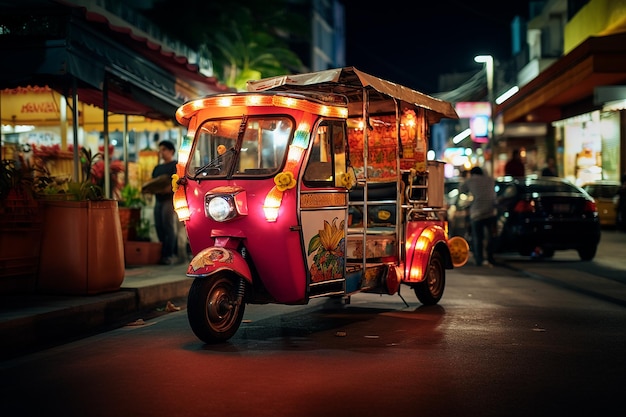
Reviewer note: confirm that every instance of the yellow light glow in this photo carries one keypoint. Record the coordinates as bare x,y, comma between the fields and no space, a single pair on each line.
183,156
409,242
253,100
422,244
272,204
284,101
271,213
188,109
415,273
183,214
180,206
273,198
293,157
224,101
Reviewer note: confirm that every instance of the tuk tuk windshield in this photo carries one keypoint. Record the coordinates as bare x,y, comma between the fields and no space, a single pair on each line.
253,146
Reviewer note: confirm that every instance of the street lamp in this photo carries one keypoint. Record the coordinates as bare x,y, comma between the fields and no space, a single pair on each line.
488,61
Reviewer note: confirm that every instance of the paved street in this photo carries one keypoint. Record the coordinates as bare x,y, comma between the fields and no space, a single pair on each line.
501,343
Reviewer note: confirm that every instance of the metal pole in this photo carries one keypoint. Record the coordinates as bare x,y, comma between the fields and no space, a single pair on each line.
488,61
107,157
489,66
77,166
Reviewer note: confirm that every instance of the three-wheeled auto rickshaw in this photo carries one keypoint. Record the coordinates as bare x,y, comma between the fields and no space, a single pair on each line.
310,185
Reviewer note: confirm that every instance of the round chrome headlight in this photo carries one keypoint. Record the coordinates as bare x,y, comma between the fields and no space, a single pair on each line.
220,209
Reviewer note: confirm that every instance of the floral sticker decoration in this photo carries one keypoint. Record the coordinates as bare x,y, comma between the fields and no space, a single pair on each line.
329,247
285,181
175,179
209,256
348,178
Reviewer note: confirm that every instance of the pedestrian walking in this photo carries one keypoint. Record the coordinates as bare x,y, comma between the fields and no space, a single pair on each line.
482,213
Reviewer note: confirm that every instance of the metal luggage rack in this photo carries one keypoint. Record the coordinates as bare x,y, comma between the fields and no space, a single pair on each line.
416,197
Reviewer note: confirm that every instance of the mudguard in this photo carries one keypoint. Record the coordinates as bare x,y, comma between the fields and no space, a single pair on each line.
421,244
213,259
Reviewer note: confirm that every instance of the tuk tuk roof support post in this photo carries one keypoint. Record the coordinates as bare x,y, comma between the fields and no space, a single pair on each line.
366,124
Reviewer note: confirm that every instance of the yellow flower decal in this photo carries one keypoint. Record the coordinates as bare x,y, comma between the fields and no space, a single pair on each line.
331,235
175,182
328,247
285,181
221,149
348,179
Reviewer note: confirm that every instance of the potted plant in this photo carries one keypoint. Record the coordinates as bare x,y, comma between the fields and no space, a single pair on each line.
130,204
142,250
82,251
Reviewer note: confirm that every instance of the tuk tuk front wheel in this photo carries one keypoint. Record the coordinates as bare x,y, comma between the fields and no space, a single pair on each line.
212,308
430,291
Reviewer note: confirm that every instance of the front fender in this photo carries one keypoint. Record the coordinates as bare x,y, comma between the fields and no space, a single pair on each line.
420,246
211,260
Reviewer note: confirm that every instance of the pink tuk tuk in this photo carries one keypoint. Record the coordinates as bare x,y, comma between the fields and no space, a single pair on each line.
306,186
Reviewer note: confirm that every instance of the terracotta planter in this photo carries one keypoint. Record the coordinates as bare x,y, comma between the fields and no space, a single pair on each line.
82,251
20,240
142,253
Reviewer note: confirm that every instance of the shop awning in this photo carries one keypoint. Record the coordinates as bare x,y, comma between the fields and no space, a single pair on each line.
83,48
566,87
40,106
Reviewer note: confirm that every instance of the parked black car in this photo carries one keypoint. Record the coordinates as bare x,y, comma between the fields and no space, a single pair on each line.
539,215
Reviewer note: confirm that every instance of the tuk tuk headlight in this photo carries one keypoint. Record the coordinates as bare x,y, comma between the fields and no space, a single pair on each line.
222,207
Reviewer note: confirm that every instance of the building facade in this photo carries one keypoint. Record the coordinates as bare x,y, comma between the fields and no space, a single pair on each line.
572,82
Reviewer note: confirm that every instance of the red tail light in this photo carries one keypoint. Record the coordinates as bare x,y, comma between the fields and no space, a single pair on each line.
524,207
590,206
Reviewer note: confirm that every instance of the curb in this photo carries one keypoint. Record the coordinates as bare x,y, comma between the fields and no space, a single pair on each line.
50,320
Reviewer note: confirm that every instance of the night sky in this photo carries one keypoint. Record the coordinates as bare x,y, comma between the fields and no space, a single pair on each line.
398,41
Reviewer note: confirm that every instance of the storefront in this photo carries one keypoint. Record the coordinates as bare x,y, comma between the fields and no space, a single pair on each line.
73,77
585,130
590,146
34,124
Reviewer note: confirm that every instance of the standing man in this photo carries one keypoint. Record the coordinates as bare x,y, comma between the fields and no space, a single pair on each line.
515,166
482,213
164,220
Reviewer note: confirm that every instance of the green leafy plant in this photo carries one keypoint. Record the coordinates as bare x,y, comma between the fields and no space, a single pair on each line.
143,230
22,179
84,188
131,197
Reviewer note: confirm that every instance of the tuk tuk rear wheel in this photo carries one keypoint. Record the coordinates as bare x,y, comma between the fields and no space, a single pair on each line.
430,291
212,309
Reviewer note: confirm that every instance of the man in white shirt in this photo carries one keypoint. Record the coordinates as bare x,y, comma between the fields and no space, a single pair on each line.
482,213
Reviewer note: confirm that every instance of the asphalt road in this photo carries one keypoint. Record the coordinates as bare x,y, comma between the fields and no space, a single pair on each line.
502,342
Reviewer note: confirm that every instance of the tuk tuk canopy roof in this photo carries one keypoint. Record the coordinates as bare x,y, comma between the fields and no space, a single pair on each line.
351,82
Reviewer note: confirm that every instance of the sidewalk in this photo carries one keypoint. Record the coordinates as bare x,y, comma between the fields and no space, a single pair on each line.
32,322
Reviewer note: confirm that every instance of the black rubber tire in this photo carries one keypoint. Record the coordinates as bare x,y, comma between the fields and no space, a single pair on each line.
587,253
212,311
430,291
